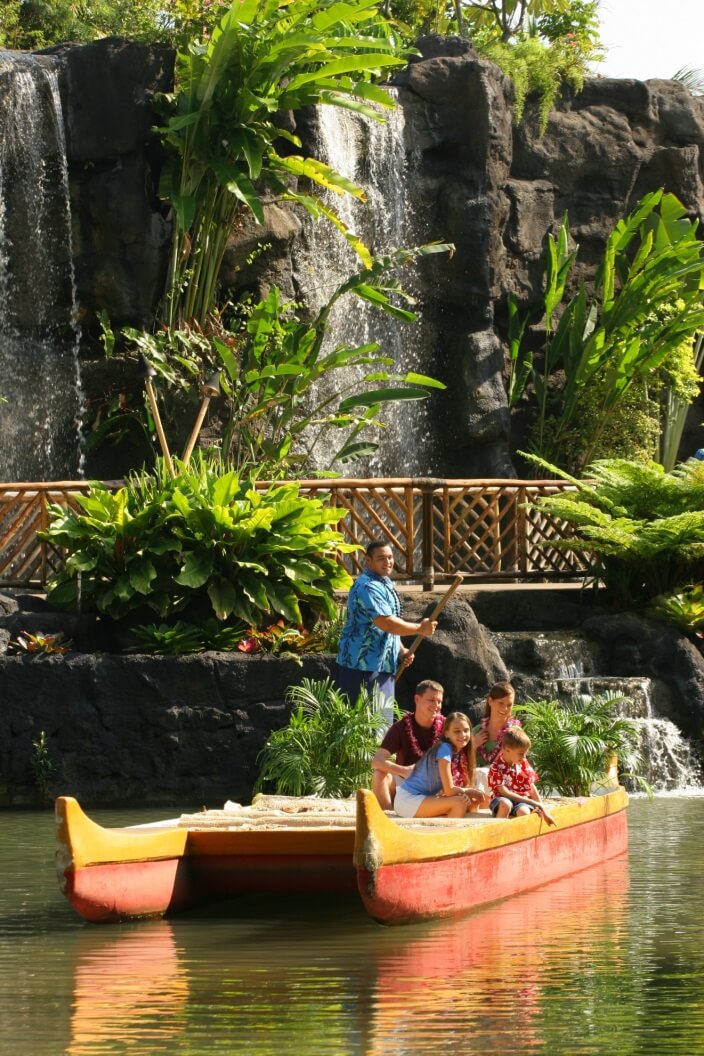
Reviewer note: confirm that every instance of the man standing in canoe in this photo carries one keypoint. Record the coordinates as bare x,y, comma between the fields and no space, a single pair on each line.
370,647
408,740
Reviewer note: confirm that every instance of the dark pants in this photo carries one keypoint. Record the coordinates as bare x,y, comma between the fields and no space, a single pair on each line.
350,681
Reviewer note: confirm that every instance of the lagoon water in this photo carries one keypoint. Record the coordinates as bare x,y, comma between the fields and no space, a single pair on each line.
609,961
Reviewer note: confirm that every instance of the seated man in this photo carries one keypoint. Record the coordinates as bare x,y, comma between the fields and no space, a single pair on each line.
408,739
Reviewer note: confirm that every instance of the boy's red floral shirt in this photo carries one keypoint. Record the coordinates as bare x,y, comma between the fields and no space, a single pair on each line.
517,778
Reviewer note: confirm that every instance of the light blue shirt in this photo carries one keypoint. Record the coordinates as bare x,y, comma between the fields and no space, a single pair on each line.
425,779
363,645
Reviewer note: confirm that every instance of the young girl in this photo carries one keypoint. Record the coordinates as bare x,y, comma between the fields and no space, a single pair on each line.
440,784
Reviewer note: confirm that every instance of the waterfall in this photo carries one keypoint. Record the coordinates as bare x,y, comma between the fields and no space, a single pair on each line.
566,666
669,758
40,435
375,156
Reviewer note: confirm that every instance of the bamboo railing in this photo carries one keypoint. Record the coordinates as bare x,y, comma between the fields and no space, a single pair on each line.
485,529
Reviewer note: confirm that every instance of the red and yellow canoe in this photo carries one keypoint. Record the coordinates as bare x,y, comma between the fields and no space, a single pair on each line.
404,870
405,875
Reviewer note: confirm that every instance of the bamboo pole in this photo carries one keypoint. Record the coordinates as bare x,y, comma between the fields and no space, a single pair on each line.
433,616
209,390
159,428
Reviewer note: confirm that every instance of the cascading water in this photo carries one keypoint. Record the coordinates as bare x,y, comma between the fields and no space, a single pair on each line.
564,665
39,369
374,156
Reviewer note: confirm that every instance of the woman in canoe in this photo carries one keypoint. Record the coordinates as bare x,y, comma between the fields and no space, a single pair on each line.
441,781
489,733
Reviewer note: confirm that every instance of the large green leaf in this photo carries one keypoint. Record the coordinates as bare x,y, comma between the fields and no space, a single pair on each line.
223,598
366,399
196,569
142,574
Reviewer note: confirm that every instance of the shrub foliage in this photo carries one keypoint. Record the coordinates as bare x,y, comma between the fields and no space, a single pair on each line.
642,526
205,542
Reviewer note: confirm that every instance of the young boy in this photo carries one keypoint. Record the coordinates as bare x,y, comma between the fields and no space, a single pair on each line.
512,779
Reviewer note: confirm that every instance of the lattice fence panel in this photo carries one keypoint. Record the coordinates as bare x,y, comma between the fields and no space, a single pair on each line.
26,560
542,529
484,529
474,530
388,512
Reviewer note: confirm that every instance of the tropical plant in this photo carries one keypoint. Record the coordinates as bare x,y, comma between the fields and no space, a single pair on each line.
555,51
505,19
646,303
181,638
692,78
680,391
43,766
573,743
276,414
40,644
536,69
33,24
683,608
203,542
327,747
264,58
278,639
642,528
279,414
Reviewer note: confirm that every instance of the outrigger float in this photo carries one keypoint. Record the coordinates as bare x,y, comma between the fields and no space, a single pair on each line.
404,870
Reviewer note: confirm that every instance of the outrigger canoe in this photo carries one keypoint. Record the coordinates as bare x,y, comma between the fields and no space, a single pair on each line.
404,870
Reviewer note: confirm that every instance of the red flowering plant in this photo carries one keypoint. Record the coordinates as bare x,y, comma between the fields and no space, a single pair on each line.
39,643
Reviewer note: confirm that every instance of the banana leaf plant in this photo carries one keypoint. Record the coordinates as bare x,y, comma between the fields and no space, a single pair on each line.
225,132
279,415
646,301
205,541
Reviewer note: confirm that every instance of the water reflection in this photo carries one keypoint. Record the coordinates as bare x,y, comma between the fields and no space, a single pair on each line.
608,961
472,976
331,981
129,989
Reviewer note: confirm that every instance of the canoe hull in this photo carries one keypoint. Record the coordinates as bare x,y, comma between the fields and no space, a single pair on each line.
115,891
125,874
415,891
402,875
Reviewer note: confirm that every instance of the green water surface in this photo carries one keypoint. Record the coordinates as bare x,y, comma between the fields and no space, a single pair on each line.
609,961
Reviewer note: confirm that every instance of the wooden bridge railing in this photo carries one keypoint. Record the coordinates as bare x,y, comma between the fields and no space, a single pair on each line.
485,529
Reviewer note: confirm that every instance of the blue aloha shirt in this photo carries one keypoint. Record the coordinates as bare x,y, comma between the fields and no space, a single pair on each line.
363,645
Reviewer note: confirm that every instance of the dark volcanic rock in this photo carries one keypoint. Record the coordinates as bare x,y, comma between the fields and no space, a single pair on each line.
460,655
157,730
120,235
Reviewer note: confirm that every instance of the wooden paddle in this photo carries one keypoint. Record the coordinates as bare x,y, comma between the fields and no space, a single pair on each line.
433,616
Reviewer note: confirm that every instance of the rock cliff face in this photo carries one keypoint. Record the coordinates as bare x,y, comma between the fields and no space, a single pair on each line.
490,187
120,234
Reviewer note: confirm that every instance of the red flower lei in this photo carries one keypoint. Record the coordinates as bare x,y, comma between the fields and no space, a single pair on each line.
488,758
438,723
460,770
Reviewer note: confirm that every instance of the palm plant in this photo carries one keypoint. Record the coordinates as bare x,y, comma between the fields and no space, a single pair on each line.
692,78
574,742
327,747
264,58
